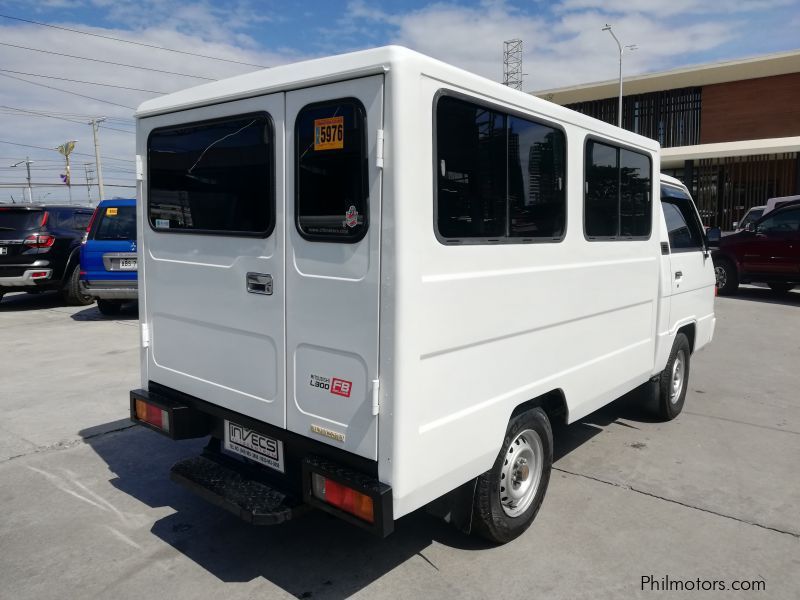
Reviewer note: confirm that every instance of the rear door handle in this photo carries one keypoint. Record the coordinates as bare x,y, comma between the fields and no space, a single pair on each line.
259,283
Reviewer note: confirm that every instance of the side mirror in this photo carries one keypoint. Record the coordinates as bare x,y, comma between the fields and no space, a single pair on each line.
735,224
713,236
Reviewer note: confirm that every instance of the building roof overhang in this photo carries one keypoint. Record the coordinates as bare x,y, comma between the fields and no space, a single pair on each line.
722,72
674,157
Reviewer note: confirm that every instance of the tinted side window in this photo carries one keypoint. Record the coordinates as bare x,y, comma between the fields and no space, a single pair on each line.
60,218
617,203
471,159
499,177
634,204
601,204
212,177
787,221
81,220
331,200
536,160
685,230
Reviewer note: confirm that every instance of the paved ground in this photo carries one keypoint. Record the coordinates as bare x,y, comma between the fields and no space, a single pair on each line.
88,511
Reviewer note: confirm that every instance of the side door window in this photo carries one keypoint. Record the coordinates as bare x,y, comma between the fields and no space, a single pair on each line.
685,231
782,224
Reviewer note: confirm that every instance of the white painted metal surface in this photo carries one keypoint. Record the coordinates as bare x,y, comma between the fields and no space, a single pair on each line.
442,341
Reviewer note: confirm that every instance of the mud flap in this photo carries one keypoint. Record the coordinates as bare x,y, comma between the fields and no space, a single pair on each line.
455,507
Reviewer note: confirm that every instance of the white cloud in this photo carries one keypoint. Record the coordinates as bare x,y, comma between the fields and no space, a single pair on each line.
198,29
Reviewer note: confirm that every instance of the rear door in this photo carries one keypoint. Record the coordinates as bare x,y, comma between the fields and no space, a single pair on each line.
773,248
213,257
333,222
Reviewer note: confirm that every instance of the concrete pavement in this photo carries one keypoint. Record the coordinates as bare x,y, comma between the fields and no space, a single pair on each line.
88,509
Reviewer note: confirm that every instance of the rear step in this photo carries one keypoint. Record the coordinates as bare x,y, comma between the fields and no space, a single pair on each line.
253,501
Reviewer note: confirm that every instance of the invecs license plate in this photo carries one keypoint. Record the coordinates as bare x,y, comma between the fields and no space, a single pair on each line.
127,264
254,445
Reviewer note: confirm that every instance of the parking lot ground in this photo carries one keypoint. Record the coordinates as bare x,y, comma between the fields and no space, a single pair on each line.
89,511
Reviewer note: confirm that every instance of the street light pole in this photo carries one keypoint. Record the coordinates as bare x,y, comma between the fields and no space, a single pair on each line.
622,49
28,162
95,123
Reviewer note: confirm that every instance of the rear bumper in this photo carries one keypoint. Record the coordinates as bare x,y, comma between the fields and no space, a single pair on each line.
111,290
29,277
256,493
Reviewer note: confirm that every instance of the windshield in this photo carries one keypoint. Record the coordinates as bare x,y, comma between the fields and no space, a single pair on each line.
20,220
752,215
115,223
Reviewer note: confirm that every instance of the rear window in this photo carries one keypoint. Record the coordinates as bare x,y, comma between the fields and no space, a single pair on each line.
115,223
20,220
331,166
213,177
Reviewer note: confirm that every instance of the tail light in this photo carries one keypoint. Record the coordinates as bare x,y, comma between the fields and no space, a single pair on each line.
343,497
89,226
39,240
152,415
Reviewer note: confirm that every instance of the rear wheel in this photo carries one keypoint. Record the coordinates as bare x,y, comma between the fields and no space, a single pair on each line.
727,277
508,496
109,307
780,288
673,380
71,290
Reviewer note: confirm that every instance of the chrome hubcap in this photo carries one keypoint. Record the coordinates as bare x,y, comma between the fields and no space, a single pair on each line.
678,369
722,277
521,472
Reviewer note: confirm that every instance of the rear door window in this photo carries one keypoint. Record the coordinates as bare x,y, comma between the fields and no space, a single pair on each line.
115,223
331,202
213,177
20,220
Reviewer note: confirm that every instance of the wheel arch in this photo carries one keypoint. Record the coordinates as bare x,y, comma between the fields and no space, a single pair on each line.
690,331
554,404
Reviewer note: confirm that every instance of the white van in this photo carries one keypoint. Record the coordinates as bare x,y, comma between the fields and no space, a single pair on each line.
375,280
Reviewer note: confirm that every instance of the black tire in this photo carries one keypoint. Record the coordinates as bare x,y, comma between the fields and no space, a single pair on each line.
727,277
781,288
71,290
109,307
670,404
490,519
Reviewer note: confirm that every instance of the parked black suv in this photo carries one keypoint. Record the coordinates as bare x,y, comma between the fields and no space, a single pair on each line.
39,249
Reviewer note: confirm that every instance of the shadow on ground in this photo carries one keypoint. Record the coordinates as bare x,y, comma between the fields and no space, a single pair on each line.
766,295
129,311
316,555
24,301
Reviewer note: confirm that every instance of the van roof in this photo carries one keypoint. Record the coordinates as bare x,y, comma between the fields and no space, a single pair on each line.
370,62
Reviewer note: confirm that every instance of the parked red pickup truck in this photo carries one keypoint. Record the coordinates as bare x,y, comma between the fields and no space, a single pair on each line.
768,251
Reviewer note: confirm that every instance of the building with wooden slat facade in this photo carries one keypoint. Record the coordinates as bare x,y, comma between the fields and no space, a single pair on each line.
730,131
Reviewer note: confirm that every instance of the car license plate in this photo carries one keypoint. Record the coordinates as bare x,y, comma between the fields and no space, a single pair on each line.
127,264
3,250
254,445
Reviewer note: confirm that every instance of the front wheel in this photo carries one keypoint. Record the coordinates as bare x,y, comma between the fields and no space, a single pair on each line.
727,277
781,288
673,380
508,496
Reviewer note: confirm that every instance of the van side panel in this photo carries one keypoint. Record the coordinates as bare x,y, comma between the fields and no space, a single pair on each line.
496,325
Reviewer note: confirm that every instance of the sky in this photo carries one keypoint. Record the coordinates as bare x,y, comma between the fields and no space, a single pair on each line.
562,40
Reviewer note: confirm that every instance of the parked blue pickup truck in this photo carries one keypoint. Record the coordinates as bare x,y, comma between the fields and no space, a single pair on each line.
108,255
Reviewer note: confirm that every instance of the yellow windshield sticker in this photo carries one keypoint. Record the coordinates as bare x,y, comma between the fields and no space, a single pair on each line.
329,133
111,212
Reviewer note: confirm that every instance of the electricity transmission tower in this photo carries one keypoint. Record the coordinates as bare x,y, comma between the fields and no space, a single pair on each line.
512,64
